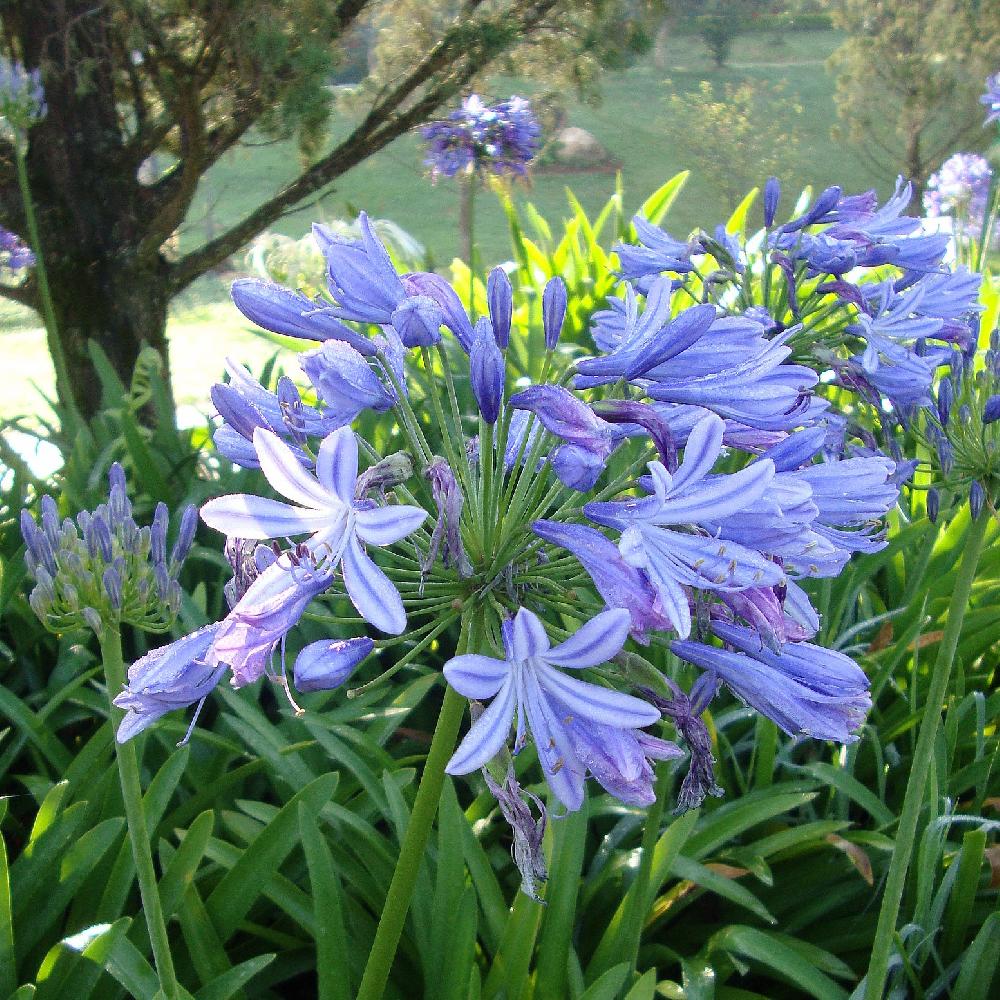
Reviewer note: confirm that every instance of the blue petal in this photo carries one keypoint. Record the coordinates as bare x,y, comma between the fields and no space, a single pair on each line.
371,591
528,638
563,770
593,643
241,515
488,733
337,464
700,453
282,470
476,676
385,525
596,703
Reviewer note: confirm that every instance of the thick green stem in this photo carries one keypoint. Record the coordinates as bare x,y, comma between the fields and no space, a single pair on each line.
64,388
414,846
135,817
920,768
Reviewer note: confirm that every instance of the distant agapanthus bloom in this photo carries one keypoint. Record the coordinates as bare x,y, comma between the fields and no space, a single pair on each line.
960,188
477,137
22,98
15,254
991,99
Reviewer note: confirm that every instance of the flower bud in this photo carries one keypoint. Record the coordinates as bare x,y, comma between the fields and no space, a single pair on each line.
326,664
977,496
553,311
113,587
991,411
944,398
486,371
772,194
500,298
185,537
933,505
418,320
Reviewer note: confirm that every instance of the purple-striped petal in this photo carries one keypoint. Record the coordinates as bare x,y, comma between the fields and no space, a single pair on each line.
284,472
385,525
487,735
701,451
476,676
563,770
720,497
242,515
371,591
593,643
337,464
596,703
528,638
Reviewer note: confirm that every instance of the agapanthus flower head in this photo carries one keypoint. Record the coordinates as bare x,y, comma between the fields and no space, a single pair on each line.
991,99
22,97
501,138
103,569
15,254
960,188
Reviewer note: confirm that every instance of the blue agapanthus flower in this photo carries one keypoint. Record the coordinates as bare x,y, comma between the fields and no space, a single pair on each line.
656,531
576,725
324,508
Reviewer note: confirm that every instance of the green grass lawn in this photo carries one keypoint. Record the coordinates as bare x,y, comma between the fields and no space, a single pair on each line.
631,121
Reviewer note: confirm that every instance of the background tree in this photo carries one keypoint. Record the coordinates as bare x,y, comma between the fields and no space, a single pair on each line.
191,79
738,134
908,79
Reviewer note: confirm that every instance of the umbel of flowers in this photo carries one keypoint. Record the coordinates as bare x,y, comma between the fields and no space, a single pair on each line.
483,138
573,522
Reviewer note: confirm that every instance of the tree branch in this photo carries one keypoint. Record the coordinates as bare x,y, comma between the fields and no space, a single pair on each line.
452,59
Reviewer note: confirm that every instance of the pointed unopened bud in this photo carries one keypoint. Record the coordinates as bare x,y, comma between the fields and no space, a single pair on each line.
500,297
944,399
933,505
553,311
326,664
977,497
486,371
185,537
772,194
